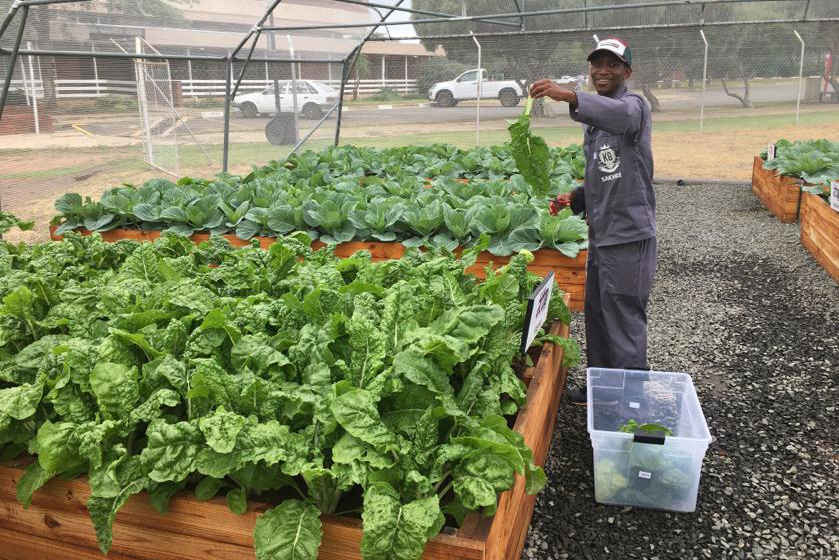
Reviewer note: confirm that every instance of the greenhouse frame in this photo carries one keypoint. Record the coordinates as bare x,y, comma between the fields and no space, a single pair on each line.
510,20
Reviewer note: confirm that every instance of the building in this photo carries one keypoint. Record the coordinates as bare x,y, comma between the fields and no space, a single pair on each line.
212,28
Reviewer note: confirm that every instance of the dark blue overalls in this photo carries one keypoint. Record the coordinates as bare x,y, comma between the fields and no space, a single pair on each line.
620,204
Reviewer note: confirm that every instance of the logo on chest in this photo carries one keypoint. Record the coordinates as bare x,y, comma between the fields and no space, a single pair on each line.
607,160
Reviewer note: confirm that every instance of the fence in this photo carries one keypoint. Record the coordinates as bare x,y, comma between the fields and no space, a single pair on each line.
68,89
88,89
215,88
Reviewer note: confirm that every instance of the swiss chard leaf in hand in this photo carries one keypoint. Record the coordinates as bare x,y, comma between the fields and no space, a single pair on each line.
531,152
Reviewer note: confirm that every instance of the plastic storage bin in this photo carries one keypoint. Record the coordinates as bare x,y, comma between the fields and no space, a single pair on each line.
647,470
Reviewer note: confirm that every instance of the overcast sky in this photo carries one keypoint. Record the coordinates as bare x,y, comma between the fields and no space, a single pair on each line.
397,30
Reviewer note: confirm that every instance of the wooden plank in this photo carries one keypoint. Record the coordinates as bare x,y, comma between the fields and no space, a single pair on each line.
187,516
342,541
562,330
191,530
44,521
57,521
820,233
21,546
779,193
536,423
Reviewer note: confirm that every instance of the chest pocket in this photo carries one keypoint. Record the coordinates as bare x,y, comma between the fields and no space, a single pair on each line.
606,156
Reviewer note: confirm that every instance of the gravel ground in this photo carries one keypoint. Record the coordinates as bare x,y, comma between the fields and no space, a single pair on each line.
740,305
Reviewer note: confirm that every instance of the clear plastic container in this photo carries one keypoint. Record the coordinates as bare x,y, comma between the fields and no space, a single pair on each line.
646,469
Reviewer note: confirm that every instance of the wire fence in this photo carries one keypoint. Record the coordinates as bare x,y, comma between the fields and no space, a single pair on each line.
91,122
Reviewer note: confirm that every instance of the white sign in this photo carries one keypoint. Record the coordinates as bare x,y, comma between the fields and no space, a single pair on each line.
645,474
537,311
634,405
834,195
771,152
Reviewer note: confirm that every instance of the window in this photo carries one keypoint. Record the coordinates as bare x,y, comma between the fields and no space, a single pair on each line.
469,77
303,87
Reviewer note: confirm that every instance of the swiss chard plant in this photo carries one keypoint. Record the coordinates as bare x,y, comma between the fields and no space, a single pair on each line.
286,376
531,152
9,221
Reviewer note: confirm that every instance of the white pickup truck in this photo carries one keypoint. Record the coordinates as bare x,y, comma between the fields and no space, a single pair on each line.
465,86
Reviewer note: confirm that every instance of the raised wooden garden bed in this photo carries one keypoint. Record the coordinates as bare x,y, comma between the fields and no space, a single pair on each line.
570,273
820,232
781,194
57,526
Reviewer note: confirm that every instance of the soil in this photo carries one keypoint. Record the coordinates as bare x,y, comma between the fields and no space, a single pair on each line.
722,156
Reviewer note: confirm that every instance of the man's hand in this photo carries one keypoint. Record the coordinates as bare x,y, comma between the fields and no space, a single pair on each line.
549,88
560,202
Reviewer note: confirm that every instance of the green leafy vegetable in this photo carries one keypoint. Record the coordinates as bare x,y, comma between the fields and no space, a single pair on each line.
531,152
276,373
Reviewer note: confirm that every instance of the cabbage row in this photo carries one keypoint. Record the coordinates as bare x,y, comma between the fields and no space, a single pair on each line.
814,161
345,194
315,384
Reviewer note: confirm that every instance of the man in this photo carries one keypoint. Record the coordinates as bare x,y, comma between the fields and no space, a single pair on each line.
619,201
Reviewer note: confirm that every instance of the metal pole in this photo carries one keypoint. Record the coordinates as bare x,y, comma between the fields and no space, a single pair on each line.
384,72
95,69
269,12
480,88
585,14
142,101
293,84
247,61
46,2
345,69
621,28
26,93
153,56
517,15
189,74
7,21
406,75
704,80
13,58
800,77
226,148
421,12
314,128
34,93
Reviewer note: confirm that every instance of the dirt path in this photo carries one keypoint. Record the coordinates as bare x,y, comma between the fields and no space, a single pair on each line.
722,155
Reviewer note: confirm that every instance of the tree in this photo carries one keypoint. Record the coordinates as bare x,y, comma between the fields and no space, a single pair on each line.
522,57
362,68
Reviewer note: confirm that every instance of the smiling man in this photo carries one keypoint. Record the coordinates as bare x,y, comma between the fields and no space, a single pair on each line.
619,201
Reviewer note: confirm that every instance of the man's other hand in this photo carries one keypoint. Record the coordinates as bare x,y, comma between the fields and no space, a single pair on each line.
560,202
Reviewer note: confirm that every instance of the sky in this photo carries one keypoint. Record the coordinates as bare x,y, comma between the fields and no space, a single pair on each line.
398,30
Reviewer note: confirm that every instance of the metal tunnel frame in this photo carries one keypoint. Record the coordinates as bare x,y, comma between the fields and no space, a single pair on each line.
514,20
